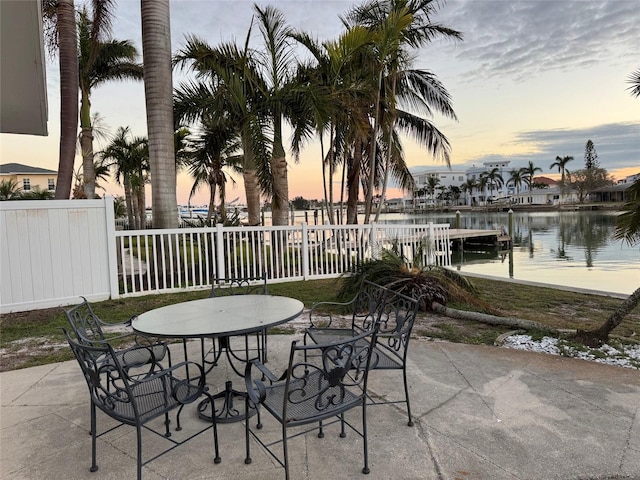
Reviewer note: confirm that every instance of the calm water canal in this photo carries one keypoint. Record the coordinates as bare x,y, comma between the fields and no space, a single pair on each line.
573,249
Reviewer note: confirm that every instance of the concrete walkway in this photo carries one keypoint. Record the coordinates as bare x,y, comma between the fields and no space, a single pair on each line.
481,413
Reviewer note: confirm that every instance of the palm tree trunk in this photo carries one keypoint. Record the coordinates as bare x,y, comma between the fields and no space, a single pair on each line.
156,53
280,197
368,202
353,185
387,164
68,45
251,182
128,198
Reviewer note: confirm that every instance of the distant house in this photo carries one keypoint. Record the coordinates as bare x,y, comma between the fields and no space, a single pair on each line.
28,178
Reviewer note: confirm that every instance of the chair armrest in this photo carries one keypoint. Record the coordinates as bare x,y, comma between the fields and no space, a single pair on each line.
326,312
251,385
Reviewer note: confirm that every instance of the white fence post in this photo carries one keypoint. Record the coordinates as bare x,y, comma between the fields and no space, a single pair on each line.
221,271
110,223
305,251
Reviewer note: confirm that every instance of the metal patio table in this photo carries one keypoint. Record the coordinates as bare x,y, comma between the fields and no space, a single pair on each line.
219,317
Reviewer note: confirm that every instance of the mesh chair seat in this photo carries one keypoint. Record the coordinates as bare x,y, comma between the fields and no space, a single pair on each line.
394,315
303,402
381,358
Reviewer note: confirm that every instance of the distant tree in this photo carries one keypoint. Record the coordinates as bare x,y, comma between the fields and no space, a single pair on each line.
561,165
628,222
494,178
432,184
590,156
299,203
10,190
468,187
516,179
586,180
634,80
38,194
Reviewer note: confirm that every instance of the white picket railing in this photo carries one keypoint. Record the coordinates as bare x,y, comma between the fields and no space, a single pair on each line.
186,258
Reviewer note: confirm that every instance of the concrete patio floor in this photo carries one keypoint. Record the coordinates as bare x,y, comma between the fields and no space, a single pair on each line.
480,413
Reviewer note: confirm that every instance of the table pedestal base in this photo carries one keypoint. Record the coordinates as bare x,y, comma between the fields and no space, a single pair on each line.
226,413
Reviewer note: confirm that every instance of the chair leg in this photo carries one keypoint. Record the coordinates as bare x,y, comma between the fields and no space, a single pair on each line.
320,430
343,434
139,448
285,452
406,396
178,426
247,459
167,431
365,469
94,465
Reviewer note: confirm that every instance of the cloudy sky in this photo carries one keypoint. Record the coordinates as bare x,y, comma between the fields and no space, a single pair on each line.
532,80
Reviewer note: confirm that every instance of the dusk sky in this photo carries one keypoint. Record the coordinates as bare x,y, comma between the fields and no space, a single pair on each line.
531,80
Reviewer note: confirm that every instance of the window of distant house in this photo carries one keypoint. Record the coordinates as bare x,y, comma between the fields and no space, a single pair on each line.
51,184
26,184
461,178
443,176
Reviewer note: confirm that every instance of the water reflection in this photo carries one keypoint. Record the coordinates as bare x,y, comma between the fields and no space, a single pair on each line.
567,248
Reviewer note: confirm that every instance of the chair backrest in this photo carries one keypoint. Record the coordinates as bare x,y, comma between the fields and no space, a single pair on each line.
395,323
107,382
85,323
367,305
323,380
239,286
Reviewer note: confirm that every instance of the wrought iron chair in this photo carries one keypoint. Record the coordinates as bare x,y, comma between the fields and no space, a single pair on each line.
393,312
87,328
137,401
236,286
322,381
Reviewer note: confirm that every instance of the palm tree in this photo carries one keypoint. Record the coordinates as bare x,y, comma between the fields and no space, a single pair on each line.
211,153
228,85
494,179
468,187
634,80
130,159
527,173
335,95
156,51
432,184
62,24
100,60
278,68
516,178
481,186
398,25
10,190
561,165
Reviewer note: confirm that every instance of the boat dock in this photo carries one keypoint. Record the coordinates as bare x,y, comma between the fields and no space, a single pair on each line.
461,237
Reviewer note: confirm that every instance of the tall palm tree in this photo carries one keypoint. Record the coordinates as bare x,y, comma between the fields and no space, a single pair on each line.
528,173
228,85
481,187
278,62
432,185
398,25
494,179
129,157
212,152
60,15
516,178
156,51
468,187
561,165
100,60
336,92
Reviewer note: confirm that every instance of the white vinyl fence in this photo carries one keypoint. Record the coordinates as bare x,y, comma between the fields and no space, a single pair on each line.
187,258
55,251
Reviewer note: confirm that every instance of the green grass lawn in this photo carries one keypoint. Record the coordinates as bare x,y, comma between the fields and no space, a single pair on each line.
21,332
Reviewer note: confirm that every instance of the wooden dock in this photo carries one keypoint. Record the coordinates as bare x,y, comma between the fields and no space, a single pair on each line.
466,236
